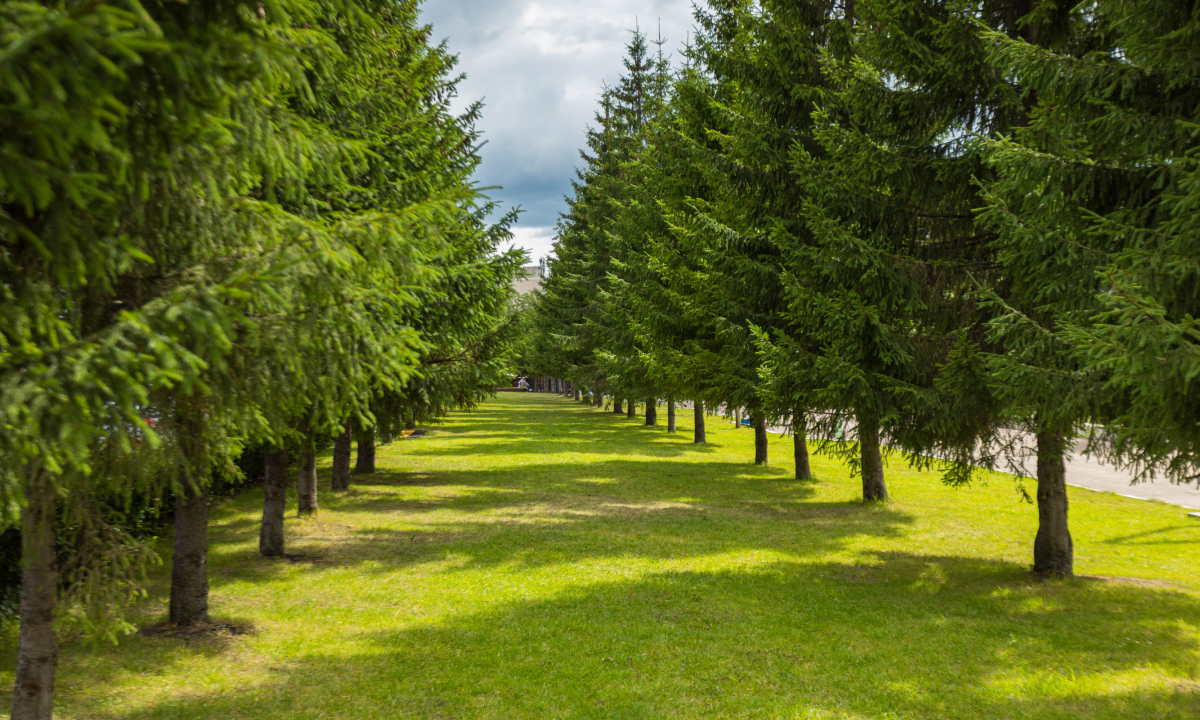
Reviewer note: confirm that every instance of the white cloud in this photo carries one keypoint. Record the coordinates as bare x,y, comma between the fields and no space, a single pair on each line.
540,67
538,241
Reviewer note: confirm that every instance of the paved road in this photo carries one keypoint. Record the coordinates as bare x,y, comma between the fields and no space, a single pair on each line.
1090,473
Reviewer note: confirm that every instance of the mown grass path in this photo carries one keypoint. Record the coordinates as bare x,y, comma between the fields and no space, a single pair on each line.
541,559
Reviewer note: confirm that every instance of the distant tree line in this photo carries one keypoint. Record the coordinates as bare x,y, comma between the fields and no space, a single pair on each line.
943,228
228,230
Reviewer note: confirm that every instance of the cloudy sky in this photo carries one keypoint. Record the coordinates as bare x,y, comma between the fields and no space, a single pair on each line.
539,67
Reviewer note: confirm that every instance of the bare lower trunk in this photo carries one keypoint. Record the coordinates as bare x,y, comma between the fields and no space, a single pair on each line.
270,537
189,561
37,649
800,439
1053,550
651,411
698,434
342,448
366,453
306,482
671,415
630,409
760,438
874,487
598,400
617,407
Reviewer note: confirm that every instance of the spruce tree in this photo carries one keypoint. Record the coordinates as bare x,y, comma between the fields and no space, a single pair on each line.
1094,205
175,250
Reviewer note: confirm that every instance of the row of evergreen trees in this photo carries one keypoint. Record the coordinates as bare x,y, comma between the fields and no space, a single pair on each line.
960,228
222,224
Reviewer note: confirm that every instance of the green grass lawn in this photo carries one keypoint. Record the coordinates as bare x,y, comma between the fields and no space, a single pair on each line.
541,559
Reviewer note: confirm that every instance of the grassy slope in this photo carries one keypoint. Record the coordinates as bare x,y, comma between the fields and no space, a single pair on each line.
539,559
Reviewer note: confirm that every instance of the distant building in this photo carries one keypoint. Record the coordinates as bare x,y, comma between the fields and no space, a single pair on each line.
531,277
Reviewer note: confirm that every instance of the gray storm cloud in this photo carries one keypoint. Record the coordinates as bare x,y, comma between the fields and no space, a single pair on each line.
539,67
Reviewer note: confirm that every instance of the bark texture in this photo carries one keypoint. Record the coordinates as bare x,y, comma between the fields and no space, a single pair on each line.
630,409
874,487
189,561
760,438
800,439
306,482
1053,550
342,448
37,649
670,415
651,411
270,536
698,434
617,407
366,453
578,396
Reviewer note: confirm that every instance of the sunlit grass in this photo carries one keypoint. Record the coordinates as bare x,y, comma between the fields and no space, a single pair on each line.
541,559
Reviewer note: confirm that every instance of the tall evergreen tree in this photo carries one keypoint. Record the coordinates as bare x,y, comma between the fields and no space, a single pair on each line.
1094,205
192,259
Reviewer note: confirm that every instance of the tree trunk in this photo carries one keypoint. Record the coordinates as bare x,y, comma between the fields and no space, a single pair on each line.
270,537
578,395
800,439
342,448
1053,550
599,399
698,412
306,481
37,649
759,423
872,461
366,452
671,415
651,411
630,408
617,408
189,561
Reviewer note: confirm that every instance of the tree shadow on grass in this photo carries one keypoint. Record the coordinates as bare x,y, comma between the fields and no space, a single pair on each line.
544,425
524,518
907,635
1183,534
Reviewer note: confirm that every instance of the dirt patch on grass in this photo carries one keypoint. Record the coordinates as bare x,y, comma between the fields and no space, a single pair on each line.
201,631
298,558
1137,582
